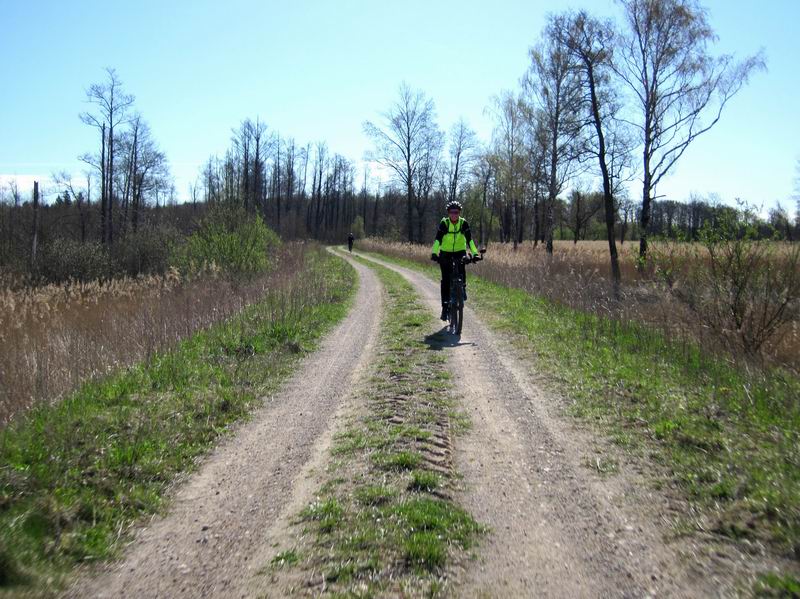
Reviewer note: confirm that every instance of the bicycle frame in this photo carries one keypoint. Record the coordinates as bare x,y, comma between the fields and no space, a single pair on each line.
457,292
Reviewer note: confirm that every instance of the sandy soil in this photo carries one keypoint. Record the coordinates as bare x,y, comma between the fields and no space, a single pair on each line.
557,528
221,518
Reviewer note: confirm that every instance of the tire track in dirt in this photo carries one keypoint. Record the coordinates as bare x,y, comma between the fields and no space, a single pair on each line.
221,516
557,530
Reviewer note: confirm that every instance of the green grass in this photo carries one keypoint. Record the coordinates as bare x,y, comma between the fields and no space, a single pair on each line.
432,525
397,460
75,476
422,480
285,558
727,436
373,495
775,585
380,528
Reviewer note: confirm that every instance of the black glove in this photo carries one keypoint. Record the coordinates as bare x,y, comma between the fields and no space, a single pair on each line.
434,257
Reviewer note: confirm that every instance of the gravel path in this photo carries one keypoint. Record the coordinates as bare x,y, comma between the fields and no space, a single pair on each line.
221,517
557,530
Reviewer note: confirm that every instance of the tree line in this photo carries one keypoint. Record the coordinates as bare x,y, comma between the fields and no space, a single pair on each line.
596,93
601,104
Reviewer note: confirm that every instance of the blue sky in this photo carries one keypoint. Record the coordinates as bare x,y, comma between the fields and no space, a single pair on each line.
315,70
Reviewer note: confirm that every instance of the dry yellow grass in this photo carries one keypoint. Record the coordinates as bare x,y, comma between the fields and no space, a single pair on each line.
577,275
53,338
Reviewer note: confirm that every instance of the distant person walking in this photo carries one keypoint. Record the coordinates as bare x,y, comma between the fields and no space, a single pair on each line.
350,240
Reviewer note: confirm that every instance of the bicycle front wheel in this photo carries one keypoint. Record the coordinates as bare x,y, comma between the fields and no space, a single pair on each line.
459,319
456,306
455,319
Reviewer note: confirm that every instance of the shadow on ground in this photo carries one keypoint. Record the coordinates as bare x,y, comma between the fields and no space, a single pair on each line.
441,339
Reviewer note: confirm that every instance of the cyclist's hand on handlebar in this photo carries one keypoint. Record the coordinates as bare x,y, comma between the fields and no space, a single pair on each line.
434,257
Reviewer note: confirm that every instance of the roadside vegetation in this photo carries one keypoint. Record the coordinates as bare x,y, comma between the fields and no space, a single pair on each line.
55,337
384,522
78,474
733,294
725,433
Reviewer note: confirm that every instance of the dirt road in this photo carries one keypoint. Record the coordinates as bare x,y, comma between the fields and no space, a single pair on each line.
557,530
220,516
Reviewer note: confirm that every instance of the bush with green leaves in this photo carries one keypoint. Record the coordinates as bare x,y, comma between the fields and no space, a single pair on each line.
231,240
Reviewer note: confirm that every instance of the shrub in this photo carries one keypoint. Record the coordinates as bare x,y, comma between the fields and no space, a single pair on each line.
231,240
148,251
67,260
745,288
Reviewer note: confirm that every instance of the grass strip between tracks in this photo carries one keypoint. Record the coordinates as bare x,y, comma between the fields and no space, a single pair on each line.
385,521
728,438
76,476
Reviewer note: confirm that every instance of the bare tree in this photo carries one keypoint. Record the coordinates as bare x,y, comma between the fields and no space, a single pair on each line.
778,219
680,88
63,179
590,43
582,209
145,168
112,104
482,171
553,86
193,193
35,231
797,181
537,147
430,169
797,199
462,145
402,144
509,161
627,207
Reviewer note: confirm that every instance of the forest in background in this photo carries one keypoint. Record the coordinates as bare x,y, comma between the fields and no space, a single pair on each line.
598,97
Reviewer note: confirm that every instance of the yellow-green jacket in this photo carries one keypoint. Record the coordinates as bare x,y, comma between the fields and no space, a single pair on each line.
453,237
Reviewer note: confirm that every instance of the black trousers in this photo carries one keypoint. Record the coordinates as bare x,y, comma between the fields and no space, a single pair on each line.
445,263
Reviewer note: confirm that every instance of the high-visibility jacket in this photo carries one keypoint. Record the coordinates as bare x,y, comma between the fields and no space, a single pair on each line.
453,237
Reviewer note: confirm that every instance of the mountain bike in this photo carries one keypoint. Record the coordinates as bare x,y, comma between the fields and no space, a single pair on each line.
458,292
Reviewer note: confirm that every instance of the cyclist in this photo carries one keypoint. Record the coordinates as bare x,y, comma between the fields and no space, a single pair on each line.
453,238
350,239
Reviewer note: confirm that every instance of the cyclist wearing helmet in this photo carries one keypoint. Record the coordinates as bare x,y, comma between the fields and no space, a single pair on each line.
453,238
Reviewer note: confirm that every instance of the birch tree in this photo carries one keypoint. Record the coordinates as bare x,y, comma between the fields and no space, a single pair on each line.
680,88
590,44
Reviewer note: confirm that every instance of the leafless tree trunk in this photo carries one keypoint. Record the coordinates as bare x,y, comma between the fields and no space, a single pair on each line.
35,232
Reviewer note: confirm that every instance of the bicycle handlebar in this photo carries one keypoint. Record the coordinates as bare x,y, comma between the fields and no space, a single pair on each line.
464,259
